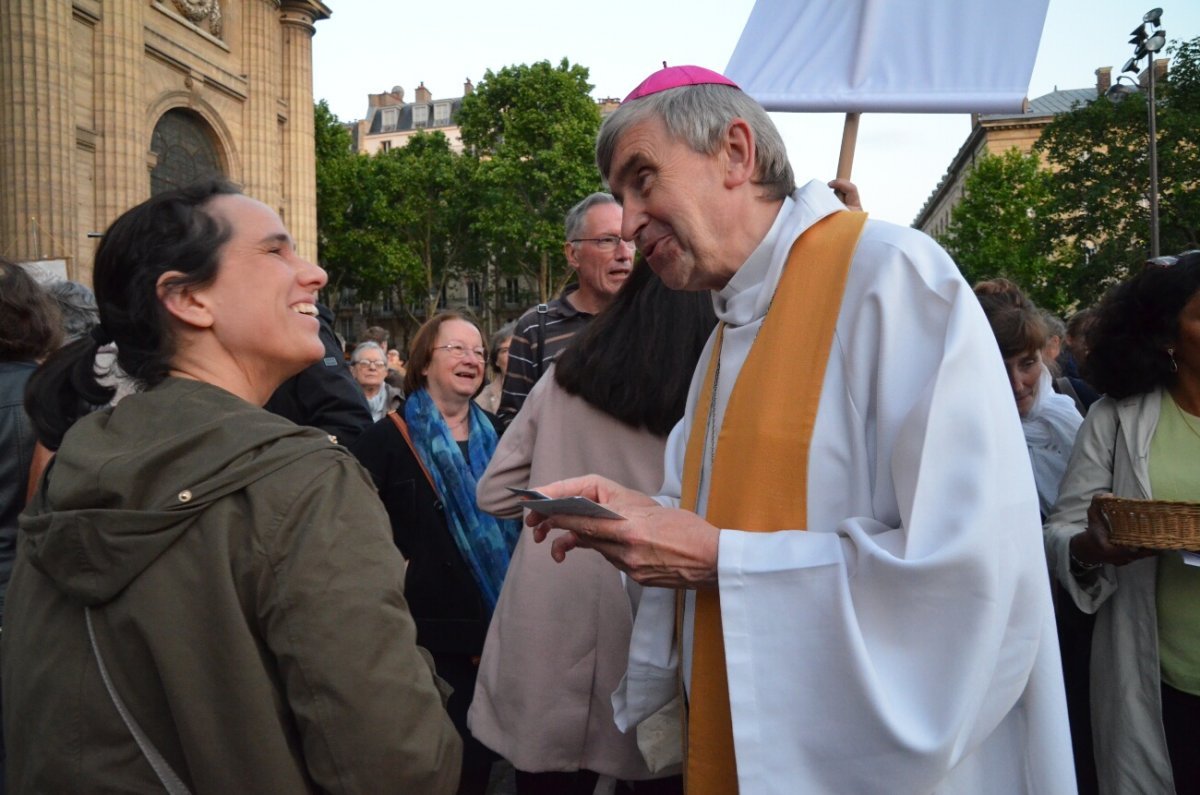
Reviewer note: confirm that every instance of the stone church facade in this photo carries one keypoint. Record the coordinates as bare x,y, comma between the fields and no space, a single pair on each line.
105,102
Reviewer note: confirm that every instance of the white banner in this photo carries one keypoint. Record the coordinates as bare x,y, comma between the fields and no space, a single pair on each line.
897,56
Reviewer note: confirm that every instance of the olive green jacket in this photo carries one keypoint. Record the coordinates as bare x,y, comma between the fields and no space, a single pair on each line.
247,600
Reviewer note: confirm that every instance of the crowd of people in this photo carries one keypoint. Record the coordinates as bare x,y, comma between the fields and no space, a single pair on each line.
858,546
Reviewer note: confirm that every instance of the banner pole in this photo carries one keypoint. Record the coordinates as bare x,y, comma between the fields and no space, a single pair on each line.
849,138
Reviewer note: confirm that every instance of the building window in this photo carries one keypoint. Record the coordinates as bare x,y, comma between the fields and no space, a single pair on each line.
474,294
420,115
390,117
385,146
183,142
441,113
512,291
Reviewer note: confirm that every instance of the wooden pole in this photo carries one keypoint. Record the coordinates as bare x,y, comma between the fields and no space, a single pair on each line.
849,138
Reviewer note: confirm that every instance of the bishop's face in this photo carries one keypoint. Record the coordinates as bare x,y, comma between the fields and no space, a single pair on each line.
675,204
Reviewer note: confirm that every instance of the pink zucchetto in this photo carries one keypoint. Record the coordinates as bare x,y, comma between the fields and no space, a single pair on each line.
676,76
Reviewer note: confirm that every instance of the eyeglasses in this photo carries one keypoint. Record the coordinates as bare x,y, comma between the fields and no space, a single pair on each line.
606,243
369,365
460,351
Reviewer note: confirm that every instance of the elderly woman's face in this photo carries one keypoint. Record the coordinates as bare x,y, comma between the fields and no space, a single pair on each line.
1024,370
456,363
369,369
262,304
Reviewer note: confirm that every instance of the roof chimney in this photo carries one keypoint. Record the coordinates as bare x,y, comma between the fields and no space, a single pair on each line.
423,95
1103,80
468,88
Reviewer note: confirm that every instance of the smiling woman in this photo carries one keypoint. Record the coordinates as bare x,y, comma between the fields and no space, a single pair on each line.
185,594
426,459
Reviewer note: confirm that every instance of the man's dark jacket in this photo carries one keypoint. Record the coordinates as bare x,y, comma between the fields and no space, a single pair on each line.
325,395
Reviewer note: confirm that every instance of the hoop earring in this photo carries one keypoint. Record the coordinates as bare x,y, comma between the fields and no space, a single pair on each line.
1171,354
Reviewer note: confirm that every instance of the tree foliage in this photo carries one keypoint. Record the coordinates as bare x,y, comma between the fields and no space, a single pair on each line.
431,202
411,221
1099,180
533,129
993,230
354,244
1072,229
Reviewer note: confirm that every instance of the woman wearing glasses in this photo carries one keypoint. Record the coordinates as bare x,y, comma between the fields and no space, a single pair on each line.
1142,440
425,458
369,365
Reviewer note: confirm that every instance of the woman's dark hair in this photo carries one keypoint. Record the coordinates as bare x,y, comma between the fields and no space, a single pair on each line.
1135,323
30,327
173,231
1017,324
420,350
635,360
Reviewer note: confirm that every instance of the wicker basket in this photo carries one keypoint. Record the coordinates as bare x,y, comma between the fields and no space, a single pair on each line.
1154,524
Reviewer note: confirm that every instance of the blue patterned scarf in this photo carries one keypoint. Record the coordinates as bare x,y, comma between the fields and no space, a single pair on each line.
486,543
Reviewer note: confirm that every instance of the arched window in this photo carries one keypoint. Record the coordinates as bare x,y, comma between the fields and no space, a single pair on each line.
186,152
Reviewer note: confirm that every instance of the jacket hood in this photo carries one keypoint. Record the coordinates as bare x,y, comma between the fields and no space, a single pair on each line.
130,480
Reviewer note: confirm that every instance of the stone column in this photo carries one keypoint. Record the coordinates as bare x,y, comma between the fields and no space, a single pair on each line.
37,127
121,178
260,48
299,158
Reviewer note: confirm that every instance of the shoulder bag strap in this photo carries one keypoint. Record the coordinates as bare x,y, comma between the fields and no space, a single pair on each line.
402,426
542,309
162,769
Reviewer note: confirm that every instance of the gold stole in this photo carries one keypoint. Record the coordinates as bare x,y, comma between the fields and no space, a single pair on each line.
759,473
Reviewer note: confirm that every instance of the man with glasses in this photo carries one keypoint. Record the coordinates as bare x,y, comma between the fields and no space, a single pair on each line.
602,261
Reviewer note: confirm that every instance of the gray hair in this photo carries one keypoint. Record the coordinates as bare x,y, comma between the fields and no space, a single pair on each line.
77,304
503,333
700,115
367,346
1054,325
574,223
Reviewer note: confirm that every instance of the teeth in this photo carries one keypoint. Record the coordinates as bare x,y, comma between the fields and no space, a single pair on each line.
306,309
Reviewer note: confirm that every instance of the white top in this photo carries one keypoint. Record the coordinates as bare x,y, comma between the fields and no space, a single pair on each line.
906,641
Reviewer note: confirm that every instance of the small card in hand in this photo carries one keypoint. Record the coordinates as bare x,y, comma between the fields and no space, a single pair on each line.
567,506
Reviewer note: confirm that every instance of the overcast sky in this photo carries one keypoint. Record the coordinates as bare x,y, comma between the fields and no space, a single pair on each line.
368,46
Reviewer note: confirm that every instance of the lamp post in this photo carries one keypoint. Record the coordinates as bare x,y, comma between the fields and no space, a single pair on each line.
1147,38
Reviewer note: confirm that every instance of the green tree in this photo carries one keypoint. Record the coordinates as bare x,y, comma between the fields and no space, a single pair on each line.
533,130
1099,180
354,245
993,230
430,201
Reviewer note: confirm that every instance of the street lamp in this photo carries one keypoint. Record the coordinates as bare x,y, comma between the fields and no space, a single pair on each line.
1147,39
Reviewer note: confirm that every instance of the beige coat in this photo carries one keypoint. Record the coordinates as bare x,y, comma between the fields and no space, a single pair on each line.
559,640
1112,454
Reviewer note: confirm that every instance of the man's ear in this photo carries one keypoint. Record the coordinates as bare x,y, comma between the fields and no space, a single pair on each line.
569,253
186,303
738,148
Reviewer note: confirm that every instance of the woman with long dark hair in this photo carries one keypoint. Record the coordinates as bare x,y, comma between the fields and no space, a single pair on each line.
559,641
206,598
1141,441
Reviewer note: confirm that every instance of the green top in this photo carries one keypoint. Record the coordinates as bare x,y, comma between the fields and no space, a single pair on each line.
1175,476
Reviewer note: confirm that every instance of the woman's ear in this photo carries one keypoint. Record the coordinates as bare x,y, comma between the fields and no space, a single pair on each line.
186,303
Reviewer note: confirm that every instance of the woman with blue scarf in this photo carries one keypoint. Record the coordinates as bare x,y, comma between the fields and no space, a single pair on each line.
425,459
